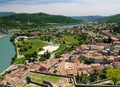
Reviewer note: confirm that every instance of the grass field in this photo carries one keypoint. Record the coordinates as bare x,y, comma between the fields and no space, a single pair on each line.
35,43
60,50
56,80
20,60
70,39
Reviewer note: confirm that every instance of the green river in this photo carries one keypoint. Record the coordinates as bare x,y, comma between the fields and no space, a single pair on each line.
7,51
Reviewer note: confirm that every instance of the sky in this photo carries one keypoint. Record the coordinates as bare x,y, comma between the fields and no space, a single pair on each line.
62,7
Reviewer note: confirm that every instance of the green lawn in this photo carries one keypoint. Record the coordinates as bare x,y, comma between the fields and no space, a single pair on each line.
60,50
57,80
70,39
41,77
20,60
35,43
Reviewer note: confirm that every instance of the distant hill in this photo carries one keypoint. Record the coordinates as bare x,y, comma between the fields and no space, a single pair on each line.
39,18
87,18
103,19
34,20
2,14
111,19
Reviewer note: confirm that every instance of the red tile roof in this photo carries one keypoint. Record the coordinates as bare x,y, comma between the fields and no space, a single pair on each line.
76,61
41,69
117,64
114,38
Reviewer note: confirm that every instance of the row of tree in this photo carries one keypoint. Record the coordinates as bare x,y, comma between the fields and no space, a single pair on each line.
96,75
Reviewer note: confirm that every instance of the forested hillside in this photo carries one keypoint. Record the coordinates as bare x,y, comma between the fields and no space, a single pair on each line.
27,21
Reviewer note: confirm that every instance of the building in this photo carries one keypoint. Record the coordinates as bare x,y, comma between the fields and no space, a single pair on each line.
116,65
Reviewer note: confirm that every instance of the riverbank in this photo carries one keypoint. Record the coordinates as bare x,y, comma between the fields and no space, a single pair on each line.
5,35
2,36
11,67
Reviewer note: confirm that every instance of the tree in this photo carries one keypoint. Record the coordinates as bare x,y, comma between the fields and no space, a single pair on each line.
109,40
48,39
77,78
42,58
85,60
13,38
34,54
114,75
94,76
1,77
82,79
85,79
47,55
103,73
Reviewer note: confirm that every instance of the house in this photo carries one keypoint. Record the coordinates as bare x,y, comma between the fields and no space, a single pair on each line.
106,31
96,66
84,47
85,72
96,47
116,64
117,47
98,59
114,38
76,61
84,69
110,59
70,68
116,42
117,58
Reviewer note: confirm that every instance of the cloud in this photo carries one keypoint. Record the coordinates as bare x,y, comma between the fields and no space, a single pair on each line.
63,7
81,2
34,1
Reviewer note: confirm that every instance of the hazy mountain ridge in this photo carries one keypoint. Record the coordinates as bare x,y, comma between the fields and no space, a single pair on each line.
87,18
103,19
2,14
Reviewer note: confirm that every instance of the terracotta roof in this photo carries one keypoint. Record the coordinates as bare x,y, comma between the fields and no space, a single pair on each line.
70,72
117,64
84,72
113,38
76,61
111,58
84,47
95,65
117,47
83,66
67,68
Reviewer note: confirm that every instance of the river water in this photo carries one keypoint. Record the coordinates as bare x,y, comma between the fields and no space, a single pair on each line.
7,51
68,26
65,26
